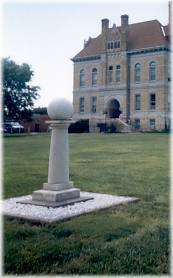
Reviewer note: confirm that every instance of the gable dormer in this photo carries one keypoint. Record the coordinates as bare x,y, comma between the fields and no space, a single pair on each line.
113,39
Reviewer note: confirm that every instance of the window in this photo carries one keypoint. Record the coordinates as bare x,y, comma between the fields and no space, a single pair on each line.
93,104
152,123
94,77
82,78
137,102
110,73
137,73
117,73
112,45
137,124
117,44
152,101
152,71
81,104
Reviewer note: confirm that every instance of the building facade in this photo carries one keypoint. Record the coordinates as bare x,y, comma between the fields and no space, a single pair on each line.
124,74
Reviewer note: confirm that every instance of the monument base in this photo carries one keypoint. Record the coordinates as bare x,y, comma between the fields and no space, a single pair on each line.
23,208
56,204
55,198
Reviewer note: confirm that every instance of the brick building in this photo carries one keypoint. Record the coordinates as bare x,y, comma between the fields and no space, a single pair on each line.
37,123
124,74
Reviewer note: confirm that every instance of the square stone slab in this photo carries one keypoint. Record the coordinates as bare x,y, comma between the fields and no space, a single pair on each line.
11,207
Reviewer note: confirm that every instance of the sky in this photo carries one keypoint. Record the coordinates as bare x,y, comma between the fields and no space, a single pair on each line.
46,35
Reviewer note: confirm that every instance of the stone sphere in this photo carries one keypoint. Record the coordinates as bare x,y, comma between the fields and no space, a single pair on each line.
60,109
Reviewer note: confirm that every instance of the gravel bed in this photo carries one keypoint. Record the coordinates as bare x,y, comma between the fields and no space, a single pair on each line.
44,214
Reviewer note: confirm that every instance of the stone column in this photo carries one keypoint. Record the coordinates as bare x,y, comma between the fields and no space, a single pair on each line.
58,188
58,172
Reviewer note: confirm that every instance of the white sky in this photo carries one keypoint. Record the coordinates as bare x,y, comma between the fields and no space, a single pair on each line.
47,35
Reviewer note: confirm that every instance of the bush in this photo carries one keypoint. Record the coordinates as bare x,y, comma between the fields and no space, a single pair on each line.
102,126
79,127
107,128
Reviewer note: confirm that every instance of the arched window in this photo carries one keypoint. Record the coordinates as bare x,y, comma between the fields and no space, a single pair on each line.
94,76
137,72
82,78
110,74
152,71
118,73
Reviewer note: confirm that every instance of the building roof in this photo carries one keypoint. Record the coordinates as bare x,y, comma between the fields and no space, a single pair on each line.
139,35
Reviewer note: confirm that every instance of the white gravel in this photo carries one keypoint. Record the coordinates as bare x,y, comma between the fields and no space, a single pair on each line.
44,214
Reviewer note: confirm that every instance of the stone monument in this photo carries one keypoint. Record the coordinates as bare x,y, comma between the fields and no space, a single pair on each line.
58,191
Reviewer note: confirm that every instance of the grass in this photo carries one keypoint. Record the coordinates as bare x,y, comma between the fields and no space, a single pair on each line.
130,239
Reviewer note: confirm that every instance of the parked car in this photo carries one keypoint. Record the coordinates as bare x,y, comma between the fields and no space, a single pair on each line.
13,127
3,129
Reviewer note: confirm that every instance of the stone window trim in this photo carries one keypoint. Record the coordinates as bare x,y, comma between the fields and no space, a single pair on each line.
152,71
137,73
94,77
82,78
137,102
81,105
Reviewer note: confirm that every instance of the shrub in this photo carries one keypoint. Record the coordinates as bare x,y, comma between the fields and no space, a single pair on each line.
80,126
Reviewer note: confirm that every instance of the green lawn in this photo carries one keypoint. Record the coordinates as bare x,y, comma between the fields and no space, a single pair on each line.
130,239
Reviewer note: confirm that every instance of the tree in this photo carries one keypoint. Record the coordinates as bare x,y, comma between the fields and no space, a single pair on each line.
18,95
40,110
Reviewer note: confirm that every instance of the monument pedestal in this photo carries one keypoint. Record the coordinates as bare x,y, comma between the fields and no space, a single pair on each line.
59,191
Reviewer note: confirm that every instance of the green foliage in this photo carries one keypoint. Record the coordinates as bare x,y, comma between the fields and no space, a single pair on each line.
18,95
40,110
129,239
